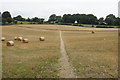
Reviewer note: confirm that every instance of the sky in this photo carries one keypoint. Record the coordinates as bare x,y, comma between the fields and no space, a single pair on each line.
44,8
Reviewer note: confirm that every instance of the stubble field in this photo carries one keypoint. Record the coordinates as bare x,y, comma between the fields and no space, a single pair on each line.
91,55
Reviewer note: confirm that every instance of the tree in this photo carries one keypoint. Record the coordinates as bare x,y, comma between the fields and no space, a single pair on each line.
91,19
6,17
19,18
52,18
80,18
9,20
14,21
68,18
42,20
110,19
6,14
36,19
76,18
4,21
58,19
101,21
117,22
28,19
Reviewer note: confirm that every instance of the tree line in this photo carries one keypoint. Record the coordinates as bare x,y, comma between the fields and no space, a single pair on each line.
66,18
7,19
85,19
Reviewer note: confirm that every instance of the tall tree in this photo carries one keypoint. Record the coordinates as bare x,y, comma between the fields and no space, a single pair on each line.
6,14
52,18
110,19
80,18
91,19
101,21
68,18
6,17
58,19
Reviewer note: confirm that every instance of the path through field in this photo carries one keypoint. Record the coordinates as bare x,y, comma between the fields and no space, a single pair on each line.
66,70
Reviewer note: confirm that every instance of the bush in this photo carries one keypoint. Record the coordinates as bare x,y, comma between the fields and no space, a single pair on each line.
77,25
40,23
65,23
73,24
104,26
93,26
15,22
118,27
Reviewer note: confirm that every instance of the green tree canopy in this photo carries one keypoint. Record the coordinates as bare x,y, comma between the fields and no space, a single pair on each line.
110,19
19,18
52,18
6,17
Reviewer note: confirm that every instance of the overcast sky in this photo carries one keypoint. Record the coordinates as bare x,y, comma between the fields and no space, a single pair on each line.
44,8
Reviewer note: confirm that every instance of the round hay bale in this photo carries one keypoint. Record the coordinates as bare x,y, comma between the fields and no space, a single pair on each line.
2,38
10,43
42,38
16,38
25,40
93,32
20,38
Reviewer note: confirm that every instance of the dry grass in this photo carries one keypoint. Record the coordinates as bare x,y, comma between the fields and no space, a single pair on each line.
50,27
35,59
93,55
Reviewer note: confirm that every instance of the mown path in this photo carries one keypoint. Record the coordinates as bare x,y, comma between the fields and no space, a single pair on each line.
66,70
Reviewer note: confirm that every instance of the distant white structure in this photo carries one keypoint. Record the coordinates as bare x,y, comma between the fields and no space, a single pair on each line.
119,9
76,22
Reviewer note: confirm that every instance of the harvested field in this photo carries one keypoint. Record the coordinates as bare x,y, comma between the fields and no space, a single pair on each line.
35,59
91,55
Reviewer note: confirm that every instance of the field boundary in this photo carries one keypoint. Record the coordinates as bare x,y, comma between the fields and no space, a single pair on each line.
78,30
